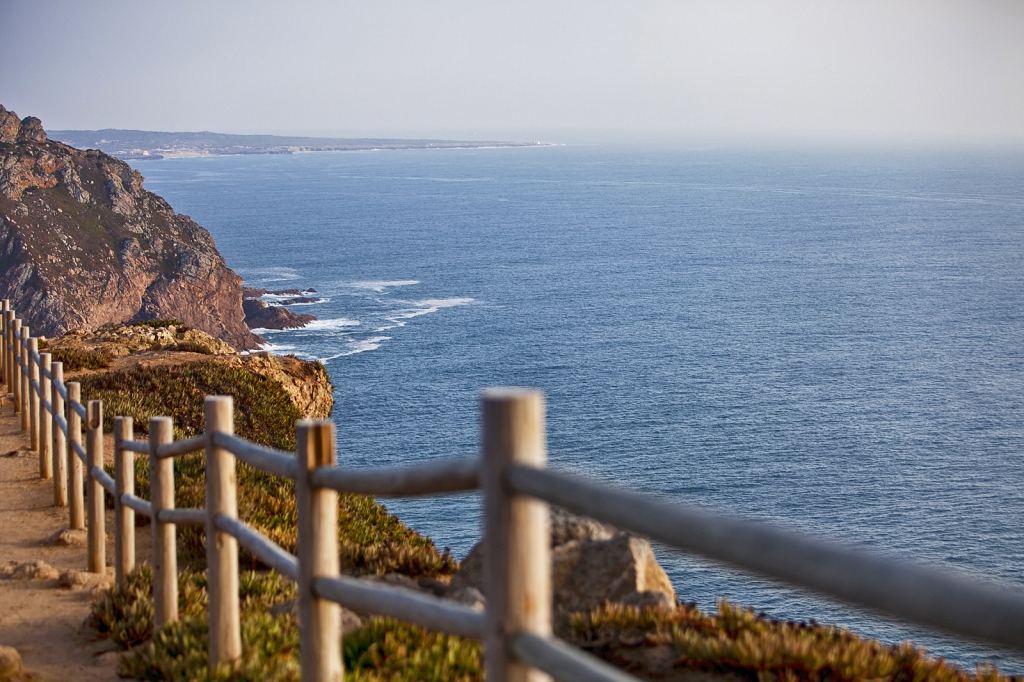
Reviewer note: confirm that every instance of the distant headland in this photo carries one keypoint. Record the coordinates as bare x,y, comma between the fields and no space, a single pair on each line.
144,144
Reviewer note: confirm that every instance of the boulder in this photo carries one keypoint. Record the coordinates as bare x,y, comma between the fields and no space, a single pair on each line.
10,663
258,315
66,538
28,570
591,564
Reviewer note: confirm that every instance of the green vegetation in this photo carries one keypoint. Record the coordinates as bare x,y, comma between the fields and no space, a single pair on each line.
734,640
371,539
754,647
383,649
80,358
158,324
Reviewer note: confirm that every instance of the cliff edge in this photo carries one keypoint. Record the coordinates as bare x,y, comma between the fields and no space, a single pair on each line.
82,244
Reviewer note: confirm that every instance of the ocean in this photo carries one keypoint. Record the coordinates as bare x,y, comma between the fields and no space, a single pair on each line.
830,341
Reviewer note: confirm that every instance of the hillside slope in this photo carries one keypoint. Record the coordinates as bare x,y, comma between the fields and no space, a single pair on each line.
82,244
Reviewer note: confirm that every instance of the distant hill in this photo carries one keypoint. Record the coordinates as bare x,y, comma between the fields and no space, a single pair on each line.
144,144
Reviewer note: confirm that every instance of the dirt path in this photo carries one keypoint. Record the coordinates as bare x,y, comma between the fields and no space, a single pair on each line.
42,620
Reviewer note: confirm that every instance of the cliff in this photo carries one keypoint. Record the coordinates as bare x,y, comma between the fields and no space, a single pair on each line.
82,244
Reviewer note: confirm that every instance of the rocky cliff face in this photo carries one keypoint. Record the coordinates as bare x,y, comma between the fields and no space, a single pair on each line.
82,244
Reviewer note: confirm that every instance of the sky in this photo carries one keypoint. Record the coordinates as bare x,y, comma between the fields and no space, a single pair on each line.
931,70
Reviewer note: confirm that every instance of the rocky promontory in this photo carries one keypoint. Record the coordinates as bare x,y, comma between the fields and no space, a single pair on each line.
82,244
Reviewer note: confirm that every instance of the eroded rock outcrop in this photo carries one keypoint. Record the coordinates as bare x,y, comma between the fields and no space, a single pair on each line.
82,244
591,564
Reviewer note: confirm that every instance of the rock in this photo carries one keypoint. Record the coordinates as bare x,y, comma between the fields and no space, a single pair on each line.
591,563
566,527
306,383
74,578
112,253
350,620
28,570
67,538
258,315
587,573
10,663
252,292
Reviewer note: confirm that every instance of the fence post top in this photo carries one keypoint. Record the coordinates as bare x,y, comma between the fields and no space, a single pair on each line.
6,303
44,358
157,421
510,394
57,367
220,399
94,413
122,421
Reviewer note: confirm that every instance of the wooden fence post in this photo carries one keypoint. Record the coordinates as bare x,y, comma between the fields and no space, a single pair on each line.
97,514
221,548
165,550
16,363
33,399
76,501
124,516
23,351
517,561
60,445
319,619
45,419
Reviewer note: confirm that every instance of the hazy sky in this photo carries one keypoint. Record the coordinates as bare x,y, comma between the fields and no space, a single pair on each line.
920,70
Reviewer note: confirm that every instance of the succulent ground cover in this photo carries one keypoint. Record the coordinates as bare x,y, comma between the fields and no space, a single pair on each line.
740,643
734,643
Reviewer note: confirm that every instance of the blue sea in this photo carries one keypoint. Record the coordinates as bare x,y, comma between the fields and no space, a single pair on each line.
831,341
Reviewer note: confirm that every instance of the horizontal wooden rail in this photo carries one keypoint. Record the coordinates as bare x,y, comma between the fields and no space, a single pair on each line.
79,408
563,662
447,476
430,612
270,553
140,446
181,447
80,451
59,386
183,516
138,504
35,386
61,423
915,593
104,479
267,459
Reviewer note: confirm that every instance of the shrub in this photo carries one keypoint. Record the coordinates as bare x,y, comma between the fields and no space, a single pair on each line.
158,324
750,645
81,358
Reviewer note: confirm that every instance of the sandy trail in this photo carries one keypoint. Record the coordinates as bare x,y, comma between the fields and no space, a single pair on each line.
37,617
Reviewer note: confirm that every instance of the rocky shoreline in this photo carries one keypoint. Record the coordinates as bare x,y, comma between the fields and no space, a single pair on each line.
260,314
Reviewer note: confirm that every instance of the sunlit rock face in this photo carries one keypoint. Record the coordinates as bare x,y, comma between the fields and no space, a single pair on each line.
82,244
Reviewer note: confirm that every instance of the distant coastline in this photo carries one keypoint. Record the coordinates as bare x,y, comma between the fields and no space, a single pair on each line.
143,144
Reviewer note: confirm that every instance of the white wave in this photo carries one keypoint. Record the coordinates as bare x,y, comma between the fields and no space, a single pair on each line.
426,307
316,325
276,348
274,274
329,325
282,301
380,285
372,343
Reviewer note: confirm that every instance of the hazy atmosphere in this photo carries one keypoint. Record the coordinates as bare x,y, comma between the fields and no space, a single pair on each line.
908,71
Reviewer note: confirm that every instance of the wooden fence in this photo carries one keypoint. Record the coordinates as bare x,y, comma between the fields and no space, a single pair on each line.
517,488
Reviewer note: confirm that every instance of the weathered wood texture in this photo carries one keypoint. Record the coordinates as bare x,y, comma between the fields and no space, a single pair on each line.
517,563
165,552
221,548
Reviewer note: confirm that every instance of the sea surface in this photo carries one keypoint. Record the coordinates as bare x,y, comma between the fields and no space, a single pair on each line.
831,341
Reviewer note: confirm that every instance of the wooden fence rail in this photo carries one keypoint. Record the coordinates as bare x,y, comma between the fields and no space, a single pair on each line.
517,488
